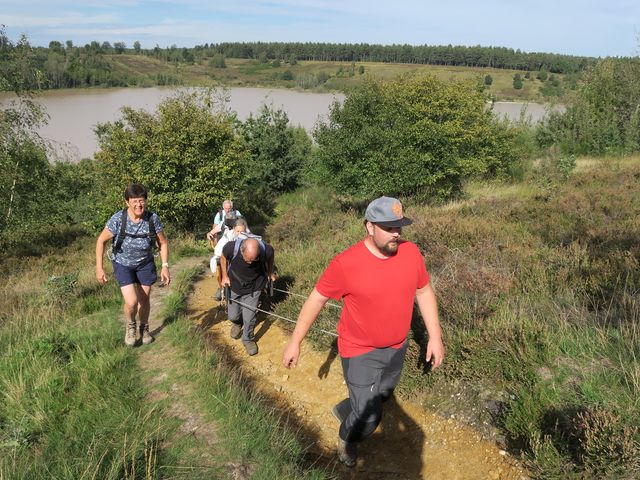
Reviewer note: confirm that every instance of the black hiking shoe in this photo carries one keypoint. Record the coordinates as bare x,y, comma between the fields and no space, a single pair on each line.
336,414
347,452
341,410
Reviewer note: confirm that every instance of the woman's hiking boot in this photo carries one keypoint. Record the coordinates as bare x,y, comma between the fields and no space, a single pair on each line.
144,333
130,335
347,452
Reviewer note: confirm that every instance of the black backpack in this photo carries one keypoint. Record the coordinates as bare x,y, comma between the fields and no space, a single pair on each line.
229,222
146,216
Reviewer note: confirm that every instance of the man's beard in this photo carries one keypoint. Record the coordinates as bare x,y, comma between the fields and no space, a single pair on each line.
390,248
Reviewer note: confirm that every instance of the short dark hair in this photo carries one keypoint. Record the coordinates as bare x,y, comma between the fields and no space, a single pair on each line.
135,190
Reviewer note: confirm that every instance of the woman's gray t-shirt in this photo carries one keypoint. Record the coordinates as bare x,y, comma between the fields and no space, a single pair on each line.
135,251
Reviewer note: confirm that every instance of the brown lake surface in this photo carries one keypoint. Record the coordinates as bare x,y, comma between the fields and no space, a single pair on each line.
74,113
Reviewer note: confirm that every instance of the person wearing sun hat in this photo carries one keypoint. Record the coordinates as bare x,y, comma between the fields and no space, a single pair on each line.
378,278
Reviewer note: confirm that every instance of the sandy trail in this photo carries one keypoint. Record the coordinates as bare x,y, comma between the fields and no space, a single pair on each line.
410,443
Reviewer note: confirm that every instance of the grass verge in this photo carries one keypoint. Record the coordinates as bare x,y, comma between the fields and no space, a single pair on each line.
74,403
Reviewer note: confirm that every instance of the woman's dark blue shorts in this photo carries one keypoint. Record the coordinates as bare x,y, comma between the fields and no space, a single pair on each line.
144,274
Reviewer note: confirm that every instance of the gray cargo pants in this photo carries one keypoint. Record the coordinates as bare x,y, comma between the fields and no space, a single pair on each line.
371,379
245,315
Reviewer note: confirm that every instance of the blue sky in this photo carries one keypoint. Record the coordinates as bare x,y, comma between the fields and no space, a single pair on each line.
576,27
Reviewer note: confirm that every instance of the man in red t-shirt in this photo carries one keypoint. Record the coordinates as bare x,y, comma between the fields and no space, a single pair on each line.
378,280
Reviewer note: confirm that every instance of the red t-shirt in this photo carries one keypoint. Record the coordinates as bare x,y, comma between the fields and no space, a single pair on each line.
378,296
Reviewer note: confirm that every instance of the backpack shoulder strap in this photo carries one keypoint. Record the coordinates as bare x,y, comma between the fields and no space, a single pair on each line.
236,247
123,232
152,228
148,216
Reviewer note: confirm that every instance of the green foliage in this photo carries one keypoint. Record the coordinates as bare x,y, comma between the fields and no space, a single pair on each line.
39,201
19,71
604,115
517,82
361,69
542,75
287,75
218,62
488,79
189,158
311,80
26,177
412,136
278,155
476,56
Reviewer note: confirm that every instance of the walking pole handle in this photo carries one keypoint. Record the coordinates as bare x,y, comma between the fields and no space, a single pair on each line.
227,294
270,288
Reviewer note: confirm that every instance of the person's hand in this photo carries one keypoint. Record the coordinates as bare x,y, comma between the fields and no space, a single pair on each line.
165,276
323,371
273,277
225,282
435,352
101,276
291,354
210,235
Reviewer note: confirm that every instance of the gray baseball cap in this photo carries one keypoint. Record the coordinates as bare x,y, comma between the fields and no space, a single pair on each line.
386,212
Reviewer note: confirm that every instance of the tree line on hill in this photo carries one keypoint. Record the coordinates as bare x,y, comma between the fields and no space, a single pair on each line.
449,55
65,65
69,66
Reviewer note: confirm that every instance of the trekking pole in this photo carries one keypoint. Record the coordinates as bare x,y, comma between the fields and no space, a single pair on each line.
227,294
271,288
242,304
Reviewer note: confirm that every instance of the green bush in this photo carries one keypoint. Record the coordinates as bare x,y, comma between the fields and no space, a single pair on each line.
218,62
517,82
604,115
411,136
189,158
277,157
542,75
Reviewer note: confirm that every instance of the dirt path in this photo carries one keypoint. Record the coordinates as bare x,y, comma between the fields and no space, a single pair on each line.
410,443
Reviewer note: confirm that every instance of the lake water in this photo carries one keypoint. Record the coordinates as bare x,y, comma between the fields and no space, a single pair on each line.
74,113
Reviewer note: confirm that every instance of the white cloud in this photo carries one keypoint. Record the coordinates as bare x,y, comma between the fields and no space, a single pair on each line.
71,18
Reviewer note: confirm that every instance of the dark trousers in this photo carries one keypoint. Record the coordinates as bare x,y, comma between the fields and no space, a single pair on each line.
371,379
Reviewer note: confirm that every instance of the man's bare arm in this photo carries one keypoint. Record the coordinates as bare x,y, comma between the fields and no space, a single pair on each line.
308,314
428,306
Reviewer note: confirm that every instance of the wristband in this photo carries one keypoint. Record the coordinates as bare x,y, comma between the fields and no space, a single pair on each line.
165,264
